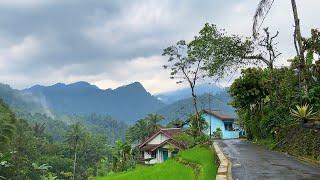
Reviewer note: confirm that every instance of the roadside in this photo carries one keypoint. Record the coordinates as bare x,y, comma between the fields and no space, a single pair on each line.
250,161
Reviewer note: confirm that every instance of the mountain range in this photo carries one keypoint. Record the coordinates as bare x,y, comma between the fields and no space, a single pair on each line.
126,103
181,109
183,93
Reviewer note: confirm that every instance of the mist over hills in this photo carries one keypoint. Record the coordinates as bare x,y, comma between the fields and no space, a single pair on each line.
61,104
173,96
183,108
126,103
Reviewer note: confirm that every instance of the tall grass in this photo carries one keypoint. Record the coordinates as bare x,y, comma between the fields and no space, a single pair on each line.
204,157
168,170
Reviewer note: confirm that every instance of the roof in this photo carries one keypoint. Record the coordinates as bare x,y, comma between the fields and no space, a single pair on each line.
219,115
152,147
169,132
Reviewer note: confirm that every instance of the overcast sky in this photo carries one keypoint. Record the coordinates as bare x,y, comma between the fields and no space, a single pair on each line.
112,43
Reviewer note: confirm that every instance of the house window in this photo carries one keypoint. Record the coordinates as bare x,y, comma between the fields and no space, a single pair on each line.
153,154
228,126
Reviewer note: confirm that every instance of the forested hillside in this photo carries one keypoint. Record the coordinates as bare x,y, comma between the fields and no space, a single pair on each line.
34,110
183,108
127,103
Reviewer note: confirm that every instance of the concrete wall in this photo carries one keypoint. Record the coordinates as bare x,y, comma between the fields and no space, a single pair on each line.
217,123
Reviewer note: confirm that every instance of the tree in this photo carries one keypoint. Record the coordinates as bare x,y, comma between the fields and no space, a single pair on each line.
263,9
153,121
7,125
143,128
222,53
122,159
269,50
186,65
74,137
175,123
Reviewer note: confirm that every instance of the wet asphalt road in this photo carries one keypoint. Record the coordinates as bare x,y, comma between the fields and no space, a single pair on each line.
250,161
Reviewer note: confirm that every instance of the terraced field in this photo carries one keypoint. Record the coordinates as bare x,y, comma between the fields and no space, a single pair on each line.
195,163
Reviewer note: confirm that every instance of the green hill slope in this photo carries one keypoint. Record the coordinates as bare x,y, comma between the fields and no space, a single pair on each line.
183,108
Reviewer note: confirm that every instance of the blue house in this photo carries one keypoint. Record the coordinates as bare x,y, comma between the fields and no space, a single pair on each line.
229,129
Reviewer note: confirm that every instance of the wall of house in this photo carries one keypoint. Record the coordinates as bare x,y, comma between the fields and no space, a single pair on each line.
218,123
159,155
158,139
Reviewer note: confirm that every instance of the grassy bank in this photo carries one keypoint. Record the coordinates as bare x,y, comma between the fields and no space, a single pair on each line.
205,158
202,158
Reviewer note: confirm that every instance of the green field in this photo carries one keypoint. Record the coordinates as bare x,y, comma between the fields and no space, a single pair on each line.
173,169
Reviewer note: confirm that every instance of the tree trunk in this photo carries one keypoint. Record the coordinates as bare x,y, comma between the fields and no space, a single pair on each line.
298,31
298,38
74,161
194,98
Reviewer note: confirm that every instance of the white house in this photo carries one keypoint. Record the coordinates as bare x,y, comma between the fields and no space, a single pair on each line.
226,123
161,145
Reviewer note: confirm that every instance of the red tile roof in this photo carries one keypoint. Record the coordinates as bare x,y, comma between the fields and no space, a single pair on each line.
219,115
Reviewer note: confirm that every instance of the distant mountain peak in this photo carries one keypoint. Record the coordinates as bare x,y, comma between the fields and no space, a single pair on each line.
82,84
135,85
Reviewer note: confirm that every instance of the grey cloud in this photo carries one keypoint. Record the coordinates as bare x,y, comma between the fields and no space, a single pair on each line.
88,37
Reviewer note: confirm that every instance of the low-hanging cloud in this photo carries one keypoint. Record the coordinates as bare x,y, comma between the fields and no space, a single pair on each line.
111,43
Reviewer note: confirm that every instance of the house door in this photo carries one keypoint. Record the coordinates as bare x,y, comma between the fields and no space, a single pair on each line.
165,155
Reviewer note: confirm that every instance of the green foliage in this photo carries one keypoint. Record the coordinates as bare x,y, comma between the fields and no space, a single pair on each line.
217,134
7,126
30,153
186,138
197,125
250,89
180,167
175,123
170,168
269,103
122,158
303,113
205,158
221,52
143,128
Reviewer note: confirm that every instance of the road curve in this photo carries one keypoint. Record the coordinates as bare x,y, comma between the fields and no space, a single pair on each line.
250,161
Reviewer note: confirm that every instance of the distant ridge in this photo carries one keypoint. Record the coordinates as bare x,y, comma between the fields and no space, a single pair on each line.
127,103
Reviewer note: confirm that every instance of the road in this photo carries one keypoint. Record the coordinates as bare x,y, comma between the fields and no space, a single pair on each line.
250,161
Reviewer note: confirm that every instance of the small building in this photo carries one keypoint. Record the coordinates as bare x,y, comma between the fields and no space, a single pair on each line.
216,119
161,145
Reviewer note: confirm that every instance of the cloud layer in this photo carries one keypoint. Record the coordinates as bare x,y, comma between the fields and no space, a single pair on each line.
112,43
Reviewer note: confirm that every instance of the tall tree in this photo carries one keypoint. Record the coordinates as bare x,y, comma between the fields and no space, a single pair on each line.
153,121
74,137
185,66
263,9
143,128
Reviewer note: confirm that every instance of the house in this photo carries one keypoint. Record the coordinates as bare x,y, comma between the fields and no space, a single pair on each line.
216,119
161,145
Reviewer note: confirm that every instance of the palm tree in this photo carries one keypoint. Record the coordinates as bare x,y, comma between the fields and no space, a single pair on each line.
263,9
74,137
153,121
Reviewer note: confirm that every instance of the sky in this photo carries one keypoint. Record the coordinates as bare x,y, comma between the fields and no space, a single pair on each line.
113,43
